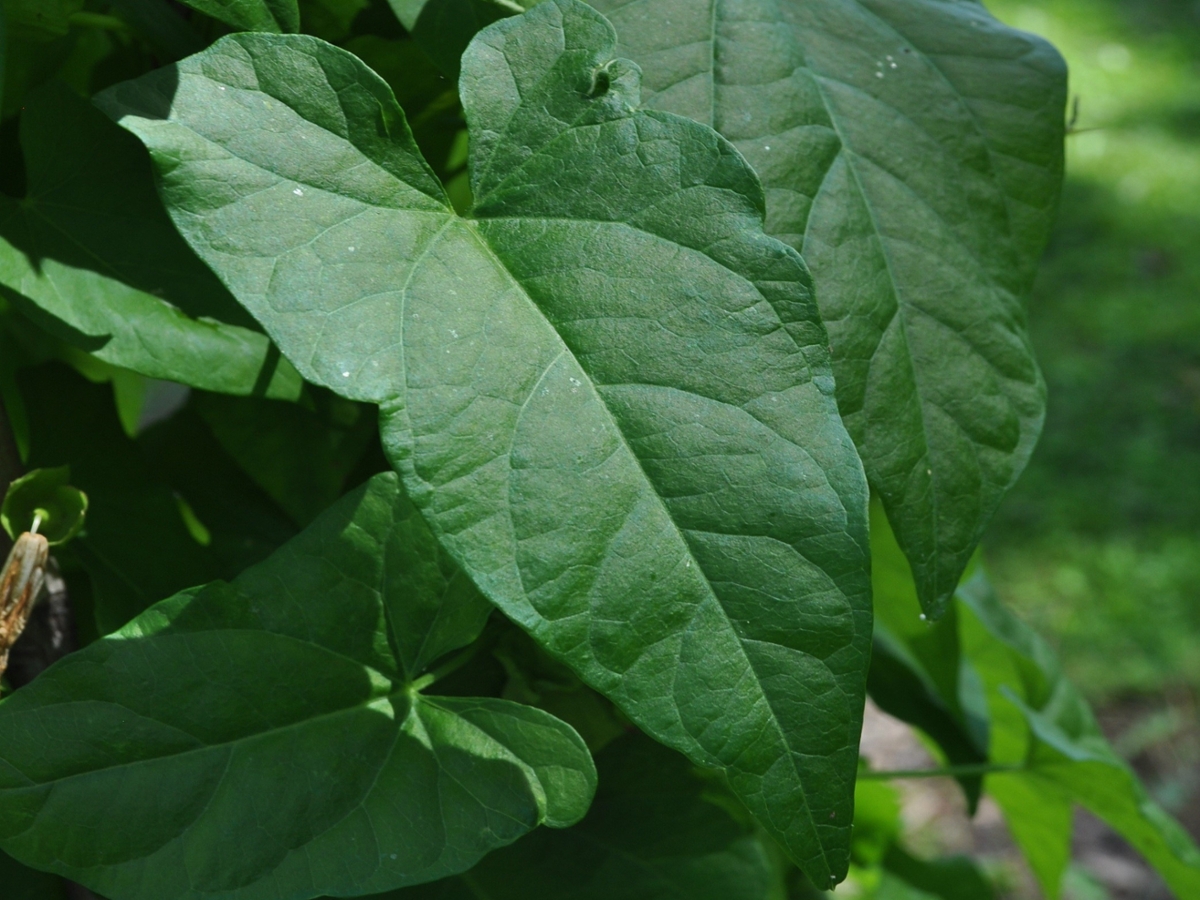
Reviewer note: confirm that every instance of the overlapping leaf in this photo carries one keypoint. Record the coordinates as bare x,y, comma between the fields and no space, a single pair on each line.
277,726
650,834
90,256
608,393
912,151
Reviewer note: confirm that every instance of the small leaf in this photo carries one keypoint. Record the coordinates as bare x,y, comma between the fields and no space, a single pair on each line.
90,257
252,15
912,150
45,498
608,393
280,735
651,834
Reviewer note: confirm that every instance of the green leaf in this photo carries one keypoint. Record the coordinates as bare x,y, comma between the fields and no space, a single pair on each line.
1065,755
39,20
651,833
912,150
252,15
276,725
608,392
90,256
950,878
916,673
23,883
45,498
444,28
300,456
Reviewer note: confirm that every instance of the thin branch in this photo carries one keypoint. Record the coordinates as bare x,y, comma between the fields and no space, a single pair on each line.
964,771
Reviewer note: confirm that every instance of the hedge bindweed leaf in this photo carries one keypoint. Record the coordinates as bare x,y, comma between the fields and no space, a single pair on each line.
608,392
90,256
912,150
275,723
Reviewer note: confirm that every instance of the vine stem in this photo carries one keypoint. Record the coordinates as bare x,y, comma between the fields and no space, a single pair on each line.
963,771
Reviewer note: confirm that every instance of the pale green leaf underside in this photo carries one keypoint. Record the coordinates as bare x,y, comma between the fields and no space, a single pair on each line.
912,151
89,255
608,393
276,732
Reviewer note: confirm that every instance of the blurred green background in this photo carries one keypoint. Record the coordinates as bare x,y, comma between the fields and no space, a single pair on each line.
1099,544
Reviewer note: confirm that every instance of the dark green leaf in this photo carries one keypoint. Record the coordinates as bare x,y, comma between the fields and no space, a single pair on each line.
23,883
252,15
950,878
300,455
444,28
137,547
39,20
266,739
912,151
608,393
651,834
90,256
916,673
44,498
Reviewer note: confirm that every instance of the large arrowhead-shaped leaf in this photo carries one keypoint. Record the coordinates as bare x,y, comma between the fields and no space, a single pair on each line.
651,834
608,393
267,738
912,151
90,256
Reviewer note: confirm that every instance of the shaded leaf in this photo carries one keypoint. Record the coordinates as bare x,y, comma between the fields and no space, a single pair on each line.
444,28
266,739
90,256
608,392
301,455
651,833
22,883
137,547
912,151
252,15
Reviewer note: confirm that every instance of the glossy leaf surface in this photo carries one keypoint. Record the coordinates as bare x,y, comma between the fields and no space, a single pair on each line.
912,151
90,256
275,723
608,393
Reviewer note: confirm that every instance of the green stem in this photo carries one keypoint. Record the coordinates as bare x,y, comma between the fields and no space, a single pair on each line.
86,19
964,771
453,664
